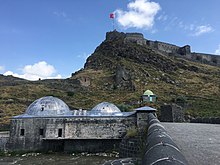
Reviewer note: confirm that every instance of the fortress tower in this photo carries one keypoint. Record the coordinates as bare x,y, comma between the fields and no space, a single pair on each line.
165,48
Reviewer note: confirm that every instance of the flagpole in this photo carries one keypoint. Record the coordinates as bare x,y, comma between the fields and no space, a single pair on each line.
112,16
113,20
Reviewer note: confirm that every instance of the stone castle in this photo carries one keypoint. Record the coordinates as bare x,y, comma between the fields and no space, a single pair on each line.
166,48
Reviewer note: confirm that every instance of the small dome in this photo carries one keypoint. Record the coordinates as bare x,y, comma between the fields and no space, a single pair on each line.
105,108
148,93
48,106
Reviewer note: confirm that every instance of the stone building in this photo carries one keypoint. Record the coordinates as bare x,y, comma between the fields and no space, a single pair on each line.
49,124
171,113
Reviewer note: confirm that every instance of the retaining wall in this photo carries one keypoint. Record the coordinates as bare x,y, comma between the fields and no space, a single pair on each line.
210,120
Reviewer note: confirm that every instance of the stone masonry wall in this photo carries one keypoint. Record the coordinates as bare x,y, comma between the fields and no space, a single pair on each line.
4,137
37,130
205,58
166,48
171,113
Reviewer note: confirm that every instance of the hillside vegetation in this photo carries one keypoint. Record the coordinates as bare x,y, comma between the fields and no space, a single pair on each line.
119,72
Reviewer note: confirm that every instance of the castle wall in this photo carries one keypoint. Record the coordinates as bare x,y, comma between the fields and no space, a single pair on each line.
171,49
136,38
185,50
39,132
205,58
161,46
165,47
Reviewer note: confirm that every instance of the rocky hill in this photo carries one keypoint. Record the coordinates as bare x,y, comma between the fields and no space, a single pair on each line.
119,71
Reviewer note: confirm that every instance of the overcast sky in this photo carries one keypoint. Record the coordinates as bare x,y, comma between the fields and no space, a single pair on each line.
53,38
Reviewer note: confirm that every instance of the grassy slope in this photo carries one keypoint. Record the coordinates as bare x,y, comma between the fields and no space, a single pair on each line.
198,83
201,90
168,77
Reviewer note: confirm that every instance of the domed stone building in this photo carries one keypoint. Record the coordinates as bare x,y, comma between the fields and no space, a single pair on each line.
49,124
106,109
47,106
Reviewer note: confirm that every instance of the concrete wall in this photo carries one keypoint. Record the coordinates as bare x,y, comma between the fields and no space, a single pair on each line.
62,129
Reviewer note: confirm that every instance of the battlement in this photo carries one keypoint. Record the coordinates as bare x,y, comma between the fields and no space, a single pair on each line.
135,37
165,48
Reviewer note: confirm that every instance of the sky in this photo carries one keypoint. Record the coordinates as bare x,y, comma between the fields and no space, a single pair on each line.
52,38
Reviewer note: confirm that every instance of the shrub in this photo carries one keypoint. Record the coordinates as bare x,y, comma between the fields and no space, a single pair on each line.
70,93
125,108
132,132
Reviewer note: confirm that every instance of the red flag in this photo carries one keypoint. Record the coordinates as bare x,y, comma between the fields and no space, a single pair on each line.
112,15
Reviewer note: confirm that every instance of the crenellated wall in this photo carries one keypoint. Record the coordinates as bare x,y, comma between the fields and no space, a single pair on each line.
205,58
166,48
135,37
158,45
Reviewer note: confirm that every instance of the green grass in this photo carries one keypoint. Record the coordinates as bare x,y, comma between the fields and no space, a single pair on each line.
201,89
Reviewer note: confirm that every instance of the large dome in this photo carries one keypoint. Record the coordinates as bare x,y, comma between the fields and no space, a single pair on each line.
105,108
48,106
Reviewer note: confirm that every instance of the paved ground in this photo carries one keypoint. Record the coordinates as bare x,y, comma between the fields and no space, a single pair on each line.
200,143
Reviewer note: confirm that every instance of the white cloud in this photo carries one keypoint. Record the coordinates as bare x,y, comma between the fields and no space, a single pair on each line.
40,70
217,51
140,14
162,17
60,14
170,23
199,30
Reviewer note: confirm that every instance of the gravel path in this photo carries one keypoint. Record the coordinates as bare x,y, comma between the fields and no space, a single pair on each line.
199,143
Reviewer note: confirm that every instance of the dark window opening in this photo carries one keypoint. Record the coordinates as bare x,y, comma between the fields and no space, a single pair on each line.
41,132
22,132
59,132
